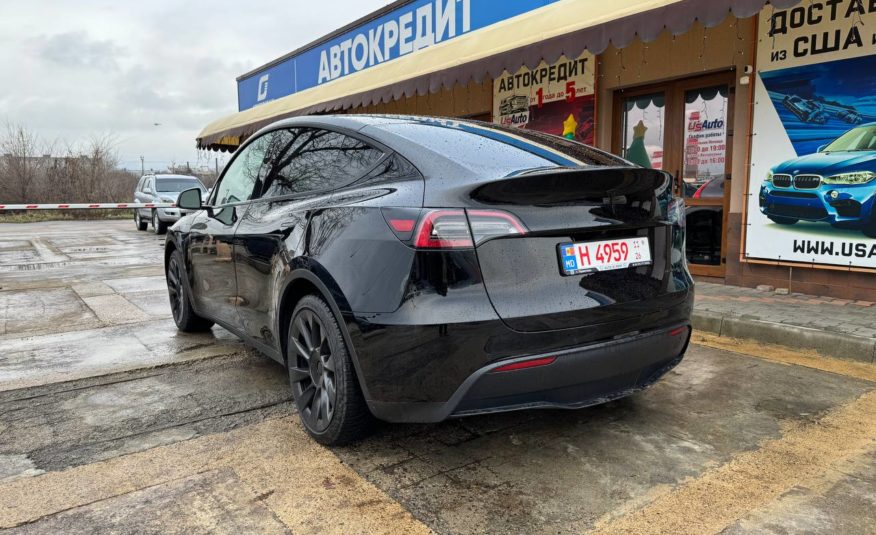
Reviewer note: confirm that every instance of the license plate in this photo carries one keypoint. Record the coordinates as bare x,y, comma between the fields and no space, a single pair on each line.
590,257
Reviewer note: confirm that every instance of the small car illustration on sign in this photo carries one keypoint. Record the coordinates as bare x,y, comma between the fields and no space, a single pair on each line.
514,104
850,116
807,111
836,185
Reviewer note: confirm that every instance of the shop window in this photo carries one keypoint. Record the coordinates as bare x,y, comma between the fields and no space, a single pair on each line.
643,130
704,168
683,127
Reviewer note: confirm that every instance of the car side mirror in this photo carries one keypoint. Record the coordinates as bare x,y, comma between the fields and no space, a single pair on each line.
190,199
821,148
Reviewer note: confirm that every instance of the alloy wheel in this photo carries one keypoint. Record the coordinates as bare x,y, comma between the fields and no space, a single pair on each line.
175,288
312,370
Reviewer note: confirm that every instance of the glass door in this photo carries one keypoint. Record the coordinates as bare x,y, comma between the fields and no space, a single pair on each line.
684,127
704,173
644,130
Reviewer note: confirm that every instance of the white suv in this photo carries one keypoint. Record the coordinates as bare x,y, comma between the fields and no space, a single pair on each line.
161,189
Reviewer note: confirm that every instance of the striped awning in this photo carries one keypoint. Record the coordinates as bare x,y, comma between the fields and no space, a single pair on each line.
567,27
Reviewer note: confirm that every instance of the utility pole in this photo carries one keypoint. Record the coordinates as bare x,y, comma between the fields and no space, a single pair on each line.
142,166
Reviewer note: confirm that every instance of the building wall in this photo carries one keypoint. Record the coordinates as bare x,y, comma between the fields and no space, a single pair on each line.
729,47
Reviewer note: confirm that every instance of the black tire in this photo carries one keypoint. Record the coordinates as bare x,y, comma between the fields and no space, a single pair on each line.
782,220
327,393
157,226
138,221
180,305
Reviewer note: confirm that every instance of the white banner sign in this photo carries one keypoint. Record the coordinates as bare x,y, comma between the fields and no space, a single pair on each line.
557,99
813,175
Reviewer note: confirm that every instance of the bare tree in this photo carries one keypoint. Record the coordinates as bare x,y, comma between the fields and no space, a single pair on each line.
22,163
33,171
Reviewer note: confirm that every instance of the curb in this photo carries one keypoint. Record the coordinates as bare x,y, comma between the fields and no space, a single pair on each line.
826,343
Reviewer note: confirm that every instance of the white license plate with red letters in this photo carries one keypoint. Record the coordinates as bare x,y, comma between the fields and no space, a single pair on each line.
589,257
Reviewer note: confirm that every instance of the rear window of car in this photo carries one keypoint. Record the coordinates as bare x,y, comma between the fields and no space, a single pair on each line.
476,150
579,151
487,148
176,184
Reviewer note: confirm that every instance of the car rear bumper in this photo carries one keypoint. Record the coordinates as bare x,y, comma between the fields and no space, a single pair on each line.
578,377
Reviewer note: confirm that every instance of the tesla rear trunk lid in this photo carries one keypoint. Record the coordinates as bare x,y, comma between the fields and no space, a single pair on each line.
523,274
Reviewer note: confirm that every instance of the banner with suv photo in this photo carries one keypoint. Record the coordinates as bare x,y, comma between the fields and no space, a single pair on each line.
812,189
556,99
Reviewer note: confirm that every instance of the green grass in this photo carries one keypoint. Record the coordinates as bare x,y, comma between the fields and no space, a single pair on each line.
37,216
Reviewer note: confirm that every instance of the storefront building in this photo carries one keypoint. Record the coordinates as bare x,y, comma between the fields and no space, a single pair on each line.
765,112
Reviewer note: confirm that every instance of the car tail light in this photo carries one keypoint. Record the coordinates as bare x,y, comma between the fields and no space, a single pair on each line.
524,364
402,225
493,223
401,221
450,228
443,229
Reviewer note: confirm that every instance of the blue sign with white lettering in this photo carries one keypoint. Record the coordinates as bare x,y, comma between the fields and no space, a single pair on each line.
414,26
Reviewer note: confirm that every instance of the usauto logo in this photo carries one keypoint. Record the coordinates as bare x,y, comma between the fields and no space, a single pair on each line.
696,125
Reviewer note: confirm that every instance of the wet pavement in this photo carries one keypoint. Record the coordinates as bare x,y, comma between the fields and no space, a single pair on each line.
111,420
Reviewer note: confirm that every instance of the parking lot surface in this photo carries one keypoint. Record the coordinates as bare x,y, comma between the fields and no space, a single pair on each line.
111,419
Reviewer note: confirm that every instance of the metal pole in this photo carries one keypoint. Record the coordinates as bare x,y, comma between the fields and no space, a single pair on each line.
142,166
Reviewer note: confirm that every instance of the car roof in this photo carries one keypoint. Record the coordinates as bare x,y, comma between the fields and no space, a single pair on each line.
398,133
357,122
175,176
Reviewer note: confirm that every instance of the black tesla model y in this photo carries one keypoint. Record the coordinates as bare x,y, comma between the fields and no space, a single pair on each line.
414,269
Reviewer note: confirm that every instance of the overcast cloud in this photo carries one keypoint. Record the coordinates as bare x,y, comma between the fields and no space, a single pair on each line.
72,70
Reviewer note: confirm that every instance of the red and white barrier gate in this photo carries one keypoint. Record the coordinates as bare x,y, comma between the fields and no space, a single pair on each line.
81,206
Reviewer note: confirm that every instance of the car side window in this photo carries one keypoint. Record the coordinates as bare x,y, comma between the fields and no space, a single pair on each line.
302,160
147,187
239,180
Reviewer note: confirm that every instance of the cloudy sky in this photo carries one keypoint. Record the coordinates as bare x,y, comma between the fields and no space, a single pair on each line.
76,69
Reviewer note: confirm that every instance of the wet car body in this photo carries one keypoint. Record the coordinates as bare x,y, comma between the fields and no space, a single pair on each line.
441,332
811,187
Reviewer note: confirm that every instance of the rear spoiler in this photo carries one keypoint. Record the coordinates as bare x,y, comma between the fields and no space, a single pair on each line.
580,185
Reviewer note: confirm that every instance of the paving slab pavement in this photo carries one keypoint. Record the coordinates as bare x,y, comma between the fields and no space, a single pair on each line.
833,327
